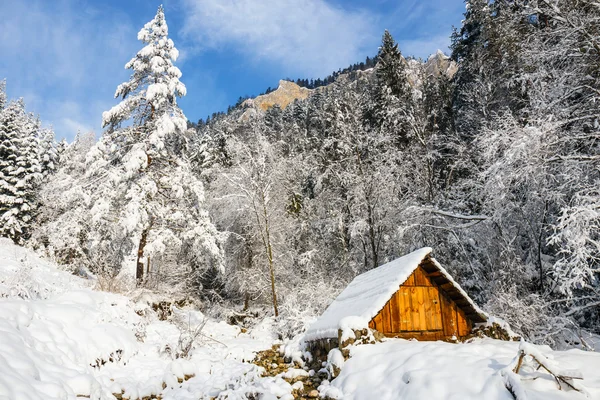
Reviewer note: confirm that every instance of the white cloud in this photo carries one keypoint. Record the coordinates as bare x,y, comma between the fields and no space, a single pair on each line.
305,36
63,56
424,26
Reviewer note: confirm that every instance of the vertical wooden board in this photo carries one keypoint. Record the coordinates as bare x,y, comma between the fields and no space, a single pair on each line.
418,277
395,313
378,322
404,306
448,315
443,309
389,313
421,295
436,308
428,304
454,318
414,309
385,315
372,324
463,329
400,304
410,281
384,325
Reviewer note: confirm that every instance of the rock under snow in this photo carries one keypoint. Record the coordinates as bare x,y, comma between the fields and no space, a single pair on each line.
285,94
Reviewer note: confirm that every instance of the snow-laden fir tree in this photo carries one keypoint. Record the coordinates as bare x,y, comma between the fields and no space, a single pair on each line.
63,222
146,206
391,69
394,104
20,171
48,152
2,94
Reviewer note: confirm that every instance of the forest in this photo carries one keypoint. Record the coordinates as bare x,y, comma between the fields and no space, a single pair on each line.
490,155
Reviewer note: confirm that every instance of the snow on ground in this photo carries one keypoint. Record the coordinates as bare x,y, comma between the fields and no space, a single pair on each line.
60,339
403,369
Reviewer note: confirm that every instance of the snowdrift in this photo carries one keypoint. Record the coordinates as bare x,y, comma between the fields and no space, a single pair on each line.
403,369
60,339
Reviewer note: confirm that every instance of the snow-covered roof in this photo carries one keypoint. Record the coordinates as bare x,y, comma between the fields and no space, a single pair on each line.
368,293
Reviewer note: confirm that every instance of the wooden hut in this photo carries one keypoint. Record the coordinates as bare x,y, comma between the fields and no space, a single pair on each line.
410,297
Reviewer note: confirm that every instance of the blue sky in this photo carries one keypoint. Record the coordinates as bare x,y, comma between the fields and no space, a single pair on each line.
66,57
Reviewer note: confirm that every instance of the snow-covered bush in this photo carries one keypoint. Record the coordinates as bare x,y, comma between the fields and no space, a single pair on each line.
300,306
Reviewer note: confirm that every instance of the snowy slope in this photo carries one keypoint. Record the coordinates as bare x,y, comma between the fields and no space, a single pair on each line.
60,339
401,369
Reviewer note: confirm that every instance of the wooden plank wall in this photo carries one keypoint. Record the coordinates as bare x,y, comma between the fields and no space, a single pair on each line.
419,309
463,325
449,316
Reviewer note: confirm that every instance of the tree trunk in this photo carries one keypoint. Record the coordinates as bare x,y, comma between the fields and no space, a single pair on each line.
540,245
139,273
246,301
269,249
372,235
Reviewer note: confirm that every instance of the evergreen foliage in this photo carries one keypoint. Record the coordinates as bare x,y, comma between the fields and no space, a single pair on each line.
485,163
144,204
494,161
27,157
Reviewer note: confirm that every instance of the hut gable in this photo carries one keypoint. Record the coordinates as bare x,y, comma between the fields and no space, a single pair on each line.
412,296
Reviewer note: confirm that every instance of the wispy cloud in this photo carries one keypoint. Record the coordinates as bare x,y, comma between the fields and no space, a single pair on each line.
66,57
305,36
423,27
424,47
61,56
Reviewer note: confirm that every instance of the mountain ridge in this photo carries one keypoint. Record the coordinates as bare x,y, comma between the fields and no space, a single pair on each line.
288,91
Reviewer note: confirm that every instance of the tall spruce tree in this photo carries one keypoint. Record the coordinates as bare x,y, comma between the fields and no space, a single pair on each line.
2,94
488,50
48,152
391,68
394,106
146,205
20,171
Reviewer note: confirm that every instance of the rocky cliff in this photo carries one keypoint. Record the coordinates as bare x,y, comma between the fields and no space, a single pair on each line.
285,94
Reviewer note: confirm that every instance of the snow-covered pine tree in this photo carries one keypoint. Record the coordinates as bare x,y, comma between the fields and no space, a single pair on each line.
149,97
19,171
48,152
488,49
391,68
394,108
2,94
146,205
63,225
